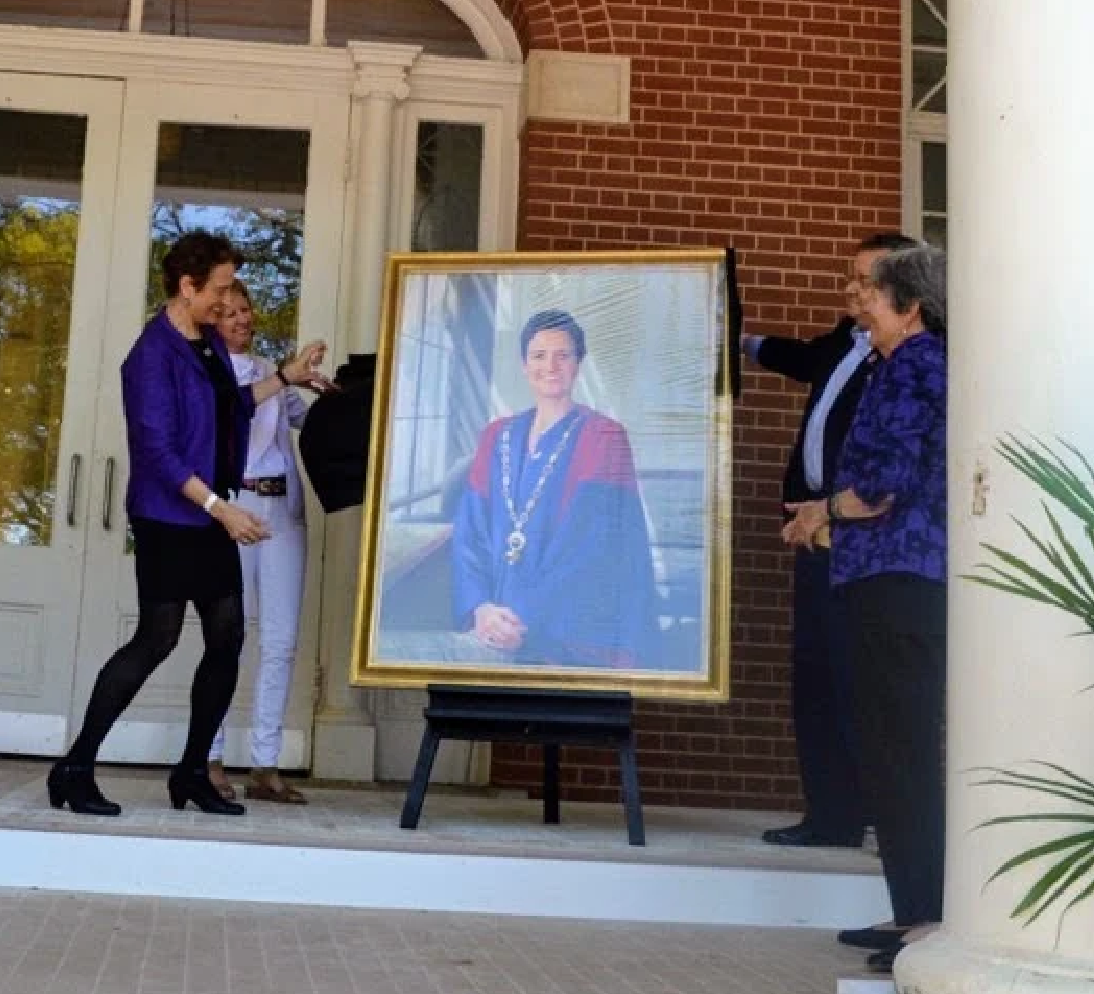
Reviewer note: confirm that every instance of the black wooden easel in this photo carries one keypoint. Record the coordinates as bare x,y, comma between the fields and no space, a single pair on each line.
550,718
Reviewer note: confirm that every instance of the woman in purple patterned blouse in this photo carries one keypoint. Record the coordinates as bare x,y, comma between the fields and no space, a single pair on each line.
888,533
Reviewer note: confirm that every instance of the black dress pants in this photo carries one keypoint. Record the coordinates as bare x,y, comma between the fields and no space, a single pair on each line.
823,709
898,660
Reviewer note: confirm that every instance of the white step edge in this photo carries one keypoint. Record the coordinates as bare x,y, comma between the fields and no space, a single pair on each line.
550,888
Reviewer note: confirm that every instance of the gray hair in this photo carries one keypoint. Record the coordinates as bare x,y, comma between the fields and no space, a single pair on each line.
915,276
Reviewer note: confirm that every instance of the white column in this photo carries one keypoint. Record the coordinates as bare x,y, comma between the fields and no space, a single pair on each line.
378,87
345,733
1021,162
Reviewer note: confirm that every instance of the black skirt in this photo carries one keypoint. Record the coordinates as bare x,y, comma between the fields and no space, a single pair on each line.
184,562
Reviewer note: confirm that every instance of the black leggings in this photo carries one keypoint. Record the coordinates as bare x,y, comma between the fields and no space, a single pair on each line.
158,628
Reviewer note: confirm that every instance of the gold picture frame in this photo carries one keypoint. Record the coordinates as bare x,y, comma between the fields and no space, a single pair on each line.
549,485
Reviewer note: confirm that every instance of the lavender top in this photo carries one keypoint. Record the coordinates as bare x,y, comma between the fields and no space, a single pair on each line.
897,446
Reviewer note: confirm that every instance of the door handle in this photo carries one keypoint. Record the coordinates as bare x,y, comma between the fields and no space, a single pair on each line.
108,492
73,487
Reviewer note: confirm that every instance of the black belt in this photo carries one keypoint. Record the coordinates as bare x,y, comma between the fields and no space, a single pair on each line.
268,486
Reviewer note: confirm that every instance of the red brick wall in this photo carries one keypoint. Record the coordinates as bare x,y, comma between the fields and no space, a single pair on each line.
774,126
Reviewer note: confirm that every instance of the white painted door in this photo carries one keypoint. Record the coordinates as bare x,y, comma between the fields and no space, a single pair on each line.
58,169
267,168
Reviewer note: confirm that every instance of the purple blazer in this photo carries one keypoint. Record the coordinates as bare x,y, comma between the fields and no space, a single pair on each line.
170,417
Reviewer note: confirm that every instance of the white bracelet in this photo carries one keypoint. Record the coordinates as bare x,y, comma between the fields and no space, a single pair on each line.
210,502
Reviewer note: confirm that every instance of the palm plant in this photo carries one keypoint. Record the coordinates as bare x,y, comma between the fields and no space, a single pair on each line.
1066,582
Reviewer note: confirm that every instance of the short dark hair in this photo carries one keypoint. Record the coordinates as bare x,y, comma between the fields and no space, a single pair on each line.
238,286
556,321
915,276
886,241
196,254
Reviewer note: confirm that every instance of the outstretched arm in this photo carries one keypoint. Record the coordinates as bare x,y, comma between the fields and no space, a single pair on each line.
799,360
301,370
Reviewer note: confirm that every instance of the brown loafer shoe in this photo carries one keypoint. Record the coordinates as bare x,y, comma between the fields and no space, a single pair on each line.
219,779
270,787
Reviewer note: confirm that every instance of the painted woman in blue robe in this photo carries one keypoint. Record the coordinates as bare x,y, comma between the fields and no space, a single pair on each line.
551,554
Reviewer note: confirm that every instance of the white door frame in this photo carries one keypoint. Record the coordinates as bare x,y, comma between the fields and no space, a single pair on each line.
154,728
40,585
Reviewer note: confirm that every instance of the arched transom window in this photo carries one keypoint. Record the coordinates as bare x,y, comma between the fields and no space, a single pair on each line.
429,23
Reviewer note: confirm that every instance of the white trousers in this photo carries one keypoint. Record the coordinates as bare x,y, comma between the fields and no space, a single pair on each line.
273,589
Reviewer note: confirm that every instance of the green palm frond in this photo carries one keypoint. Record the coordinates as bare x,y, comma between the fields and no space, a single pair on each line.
1063,580
1070,873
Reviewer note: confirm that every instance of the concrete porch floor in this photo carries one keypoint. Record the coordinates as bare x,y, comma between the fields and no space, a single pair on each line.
63,943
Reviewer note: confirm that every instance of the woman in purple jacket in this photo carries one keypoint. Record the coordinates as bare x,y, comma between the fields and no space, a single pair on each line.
187,423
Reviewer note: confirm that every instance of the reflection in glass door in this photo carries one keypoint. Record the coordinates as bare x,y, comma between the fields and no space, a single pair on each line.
58,156
247,184
268,174
42,161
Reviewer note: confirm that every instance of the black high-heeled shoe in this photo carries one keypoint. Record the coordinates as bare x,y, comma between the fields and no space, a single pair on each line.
194,785
75,786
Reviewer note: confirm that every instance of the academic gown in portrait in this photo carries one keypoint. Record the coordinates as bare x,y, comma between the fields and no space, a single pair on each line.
583,584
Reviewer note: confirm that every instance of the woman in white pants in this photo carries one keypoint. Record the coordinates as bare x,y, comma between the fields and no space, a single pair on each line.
273,570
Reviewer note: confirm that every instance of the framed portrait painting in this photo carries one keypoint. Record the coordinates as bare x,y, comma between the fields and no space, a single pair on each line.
549,488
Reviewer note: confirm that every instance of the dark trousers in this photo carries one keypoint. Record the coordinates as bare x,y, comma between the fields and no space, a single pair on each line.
898,663
823,711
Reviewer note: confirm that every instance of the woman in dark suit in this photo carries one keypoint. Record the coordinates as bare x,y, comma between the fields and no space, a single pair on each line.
187,424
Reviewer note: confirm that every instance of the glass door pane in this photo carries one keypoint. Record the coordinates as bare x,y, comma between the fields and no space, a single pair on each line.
447,187
247,184
429,23
284,21
103,15
929,40
41,166
933,164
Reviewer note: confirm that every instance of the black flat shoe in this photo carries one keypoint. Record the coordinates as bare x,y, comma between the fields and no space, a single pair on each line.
871,938
804,834
75,786
194,785
882,961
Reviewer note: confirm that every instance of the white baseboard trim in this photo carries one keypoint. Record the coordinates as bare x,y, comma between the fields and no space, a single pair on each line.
618,891
25,734
344,750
